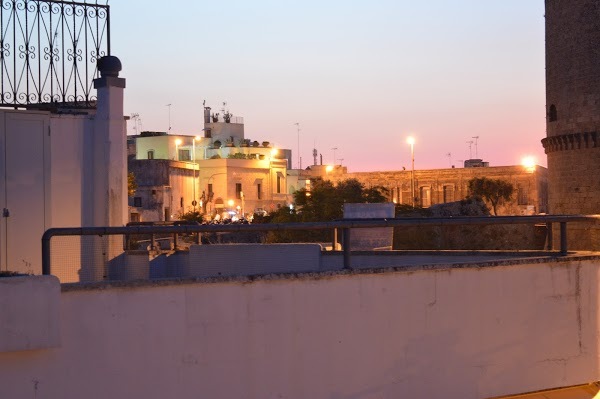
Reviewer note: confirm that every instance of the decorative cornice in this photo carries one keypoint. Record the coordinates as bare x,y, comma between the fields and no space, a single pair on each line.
572,141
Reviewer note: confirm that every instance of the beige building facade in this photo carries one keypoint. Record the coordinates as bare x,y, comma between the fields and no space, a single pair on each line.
220,174
438,186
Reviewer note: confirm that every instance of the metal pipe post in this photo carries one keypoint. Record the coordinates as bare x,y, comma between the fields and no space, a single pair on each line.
346,244
563,238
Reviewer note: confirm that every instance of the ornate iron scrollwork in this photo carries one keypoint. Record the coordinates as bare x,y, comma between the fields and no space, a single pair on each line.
49,50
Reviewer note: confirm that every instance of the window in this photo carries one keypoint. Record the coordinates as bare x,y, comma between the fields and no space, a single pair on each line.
278,184
425,196
151,154
137,202
184,155
210,192
134,217
181,202
522,195
238,190
448,193
259,190
552,114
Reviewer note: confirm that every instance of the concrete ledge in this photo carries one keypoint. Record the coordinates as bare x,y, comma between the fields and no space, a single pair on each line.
250,259
29,313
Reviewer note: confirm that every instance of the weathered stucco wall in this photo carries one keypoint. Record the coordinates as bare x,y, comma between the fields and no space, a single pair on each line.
471,332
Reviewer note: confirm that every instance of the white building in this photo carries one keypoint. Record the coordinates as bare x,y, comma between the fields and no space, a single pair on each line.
221,173
62,168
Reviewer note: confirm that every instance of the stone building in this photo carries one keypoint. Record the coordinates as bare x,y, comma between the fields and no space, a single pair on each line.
573,112
438,186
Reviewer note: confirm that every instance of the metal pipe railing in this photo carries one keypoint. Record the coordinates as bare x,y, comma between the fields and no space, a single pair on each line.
341,225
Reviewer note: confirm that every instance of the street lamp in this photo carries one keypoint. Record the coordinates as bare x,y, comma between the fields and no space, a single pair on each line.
528,163
411,141
274,152
194,203
242,198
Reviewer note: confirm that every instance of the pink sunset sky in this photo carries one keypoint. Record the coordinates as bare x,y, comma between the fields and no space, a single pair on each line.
357,76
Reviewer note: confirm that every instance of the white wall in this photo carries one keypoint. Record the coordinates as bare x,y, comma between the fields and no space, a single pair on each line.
449,333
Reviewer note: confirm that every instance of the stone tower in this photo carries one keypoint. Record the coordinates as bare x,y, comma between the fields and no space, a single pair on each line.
573,114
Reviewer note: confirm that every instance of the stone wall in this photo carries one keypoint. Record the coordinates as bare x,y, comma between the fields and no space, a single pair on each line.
573,114
449,185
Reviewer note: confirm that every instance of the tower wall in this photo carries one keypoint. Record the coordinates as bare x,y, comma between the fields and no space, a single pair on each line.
573,113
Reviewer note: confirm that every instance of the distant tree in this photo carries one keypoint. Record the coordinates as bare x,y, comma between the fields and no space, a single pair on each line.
131,184
324,202
192,216
495,191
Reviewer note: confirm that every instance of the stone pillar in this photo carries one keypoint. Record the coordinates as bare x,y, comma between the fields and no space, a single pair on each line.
109,204
573,115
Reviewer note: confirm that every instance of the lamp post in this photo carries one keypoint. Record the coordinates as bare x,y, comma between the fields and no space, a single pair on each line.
274,152
411,141
194,202
242,198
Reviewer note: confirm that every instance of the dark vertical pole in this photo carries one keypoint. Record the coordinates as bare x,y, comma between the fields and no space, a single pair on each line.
346,244
45,255
175,235
549,236
563,238
335,239
152,242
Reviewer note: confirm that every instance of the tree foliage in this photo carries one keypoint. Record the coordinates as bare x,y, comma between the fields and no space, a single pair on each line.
495,191
131,184
324,202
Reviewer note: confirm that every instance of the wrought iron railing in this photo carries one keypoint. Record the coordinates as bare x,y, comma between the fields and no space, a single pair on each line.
49,50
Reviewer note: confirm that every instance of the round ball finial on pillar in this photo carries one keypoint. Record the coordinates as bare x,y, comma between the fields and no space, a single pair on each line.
109,66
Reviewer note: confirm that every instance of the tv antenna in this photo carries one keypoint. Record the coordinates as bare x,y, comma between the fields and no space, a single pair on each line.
470,143
449,155
334,150
476,138
135,117
169,105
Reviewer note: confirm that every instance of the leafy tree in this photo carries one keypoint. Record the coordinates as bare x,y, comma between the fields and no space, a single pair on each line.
192,216
495,191
324,202
131,184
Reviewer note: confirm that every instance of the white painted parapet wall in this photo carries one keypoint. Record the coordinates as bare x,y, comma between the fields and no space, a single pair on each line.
474,331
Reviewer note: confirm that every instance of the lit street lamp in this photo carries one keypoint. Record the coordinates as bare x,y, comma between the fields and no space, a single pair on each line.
411,141
274,152
194,202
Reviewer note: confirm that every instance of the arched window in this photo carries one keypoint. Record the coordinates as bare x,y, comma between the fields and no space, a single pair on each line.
552,115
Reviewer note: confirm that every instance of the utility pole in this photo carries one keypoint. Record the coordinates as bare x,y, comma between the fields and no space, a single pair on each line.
299,159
